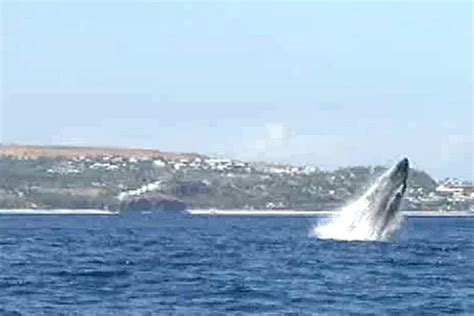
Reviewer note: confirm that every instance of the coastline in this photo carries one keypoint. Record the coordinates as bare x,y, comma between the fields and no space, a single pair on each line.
56,212
316,213
229,212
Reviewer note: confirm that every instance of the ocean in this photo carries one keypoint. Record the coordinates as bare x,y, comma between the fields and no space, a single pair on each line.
165,263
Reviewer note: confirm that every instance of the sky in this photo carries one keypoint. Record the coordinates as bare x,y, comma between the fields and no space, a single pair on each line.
330,84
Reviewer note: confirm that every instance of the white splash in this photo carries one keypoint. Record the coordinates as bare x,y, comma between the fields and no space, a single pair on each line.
374,216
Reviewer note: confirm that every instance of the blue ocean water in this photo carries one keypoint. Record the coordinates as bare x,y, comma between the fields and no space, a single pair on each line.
144,264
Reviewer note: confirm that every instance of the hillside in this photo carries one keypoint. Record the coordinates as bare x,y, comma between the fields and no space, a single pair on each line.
68,152
128,179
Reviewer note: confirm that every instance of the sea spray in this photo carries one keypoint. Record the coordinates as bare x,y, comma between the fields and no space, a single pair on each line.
375,215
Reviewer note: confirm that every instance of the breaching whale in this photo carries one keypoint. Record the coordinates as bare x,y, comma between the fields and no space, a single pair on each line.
375,215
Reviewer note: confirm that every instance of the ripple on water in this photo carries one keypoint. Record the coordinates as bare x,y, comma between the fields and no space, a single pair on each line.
214,265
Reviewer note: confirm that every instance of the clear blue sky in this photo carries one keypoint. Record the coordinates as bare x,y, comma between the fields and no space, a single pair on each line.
325,83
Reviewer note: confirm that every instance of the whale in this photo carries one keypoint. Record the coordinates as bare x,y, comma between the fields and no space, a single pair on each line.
376,214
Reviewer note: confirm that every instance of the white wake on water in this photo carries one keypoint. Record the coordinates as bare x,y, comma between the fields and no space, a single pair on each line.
374,216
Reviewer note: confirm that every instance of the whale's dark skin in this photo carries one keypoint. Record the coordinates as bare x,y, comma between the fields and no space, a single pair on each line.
386,197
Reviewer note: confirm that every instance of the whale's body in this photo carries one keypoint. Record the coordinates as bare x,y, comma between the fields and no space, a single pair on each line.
375,215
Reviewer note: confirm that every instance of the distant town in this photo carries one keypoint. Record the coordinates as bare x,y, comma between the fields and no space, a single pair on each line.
39,177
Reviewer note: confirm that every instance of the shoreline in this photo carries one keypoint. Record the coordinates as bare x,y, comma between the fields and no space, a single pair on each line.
56,212
215,212
229,212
